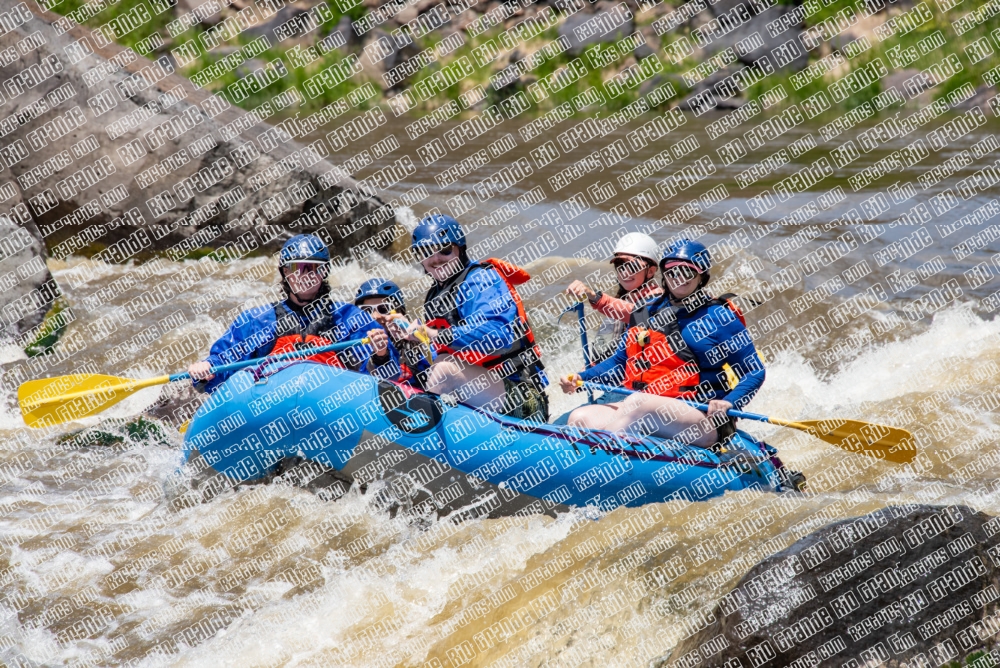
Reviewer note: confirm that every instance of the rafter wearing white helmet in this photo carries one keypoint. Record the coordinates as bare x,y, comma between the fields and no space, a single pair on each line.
635,260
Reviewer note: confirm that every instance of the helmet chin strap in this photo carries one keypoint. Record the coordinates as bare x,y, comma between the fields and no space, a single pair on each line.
301,301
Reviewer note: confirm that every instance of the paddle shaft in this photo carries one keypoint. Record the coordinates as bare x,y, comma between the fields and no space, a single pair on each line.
732,412
132,385
583,342
583,334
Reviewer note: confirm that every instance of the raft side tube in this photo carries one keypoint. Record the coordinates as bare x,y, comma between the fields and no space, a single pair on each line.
431,457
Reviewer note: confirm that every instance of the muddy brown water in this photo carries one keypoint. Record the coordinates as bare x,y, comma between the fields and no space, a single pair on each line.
97,569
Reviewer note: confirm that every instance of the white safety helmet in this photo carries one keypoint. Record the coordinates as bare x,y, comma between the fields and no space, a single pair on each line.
640,245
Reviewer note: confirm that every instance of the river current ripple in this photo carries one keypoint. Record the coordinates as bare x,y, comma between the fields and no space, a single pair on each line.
898,327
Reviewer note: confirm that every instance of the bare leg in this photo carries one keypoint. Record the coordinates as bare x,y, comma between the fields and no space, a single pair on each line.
594,416
648,415
472,384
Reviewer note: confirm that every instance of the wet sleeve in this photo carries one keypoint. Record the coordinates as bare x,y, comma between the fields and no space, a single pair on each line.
732,345
612,370
246,338
489,312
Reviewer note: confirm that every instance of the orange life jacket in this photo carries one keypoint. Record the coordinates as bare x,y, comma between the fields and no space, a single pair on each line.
659,361
443,313
291,337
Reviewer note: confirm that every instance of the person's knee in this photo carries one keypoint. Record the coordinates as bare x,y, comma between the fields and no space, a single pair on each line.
668,411
443,376
492,402
647,425
447,367
638,406
439,382
578,418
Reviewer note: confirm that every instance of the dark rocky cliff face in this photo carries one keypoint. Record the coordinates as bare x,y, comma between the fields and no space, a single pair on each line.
27,289
915,585
111,155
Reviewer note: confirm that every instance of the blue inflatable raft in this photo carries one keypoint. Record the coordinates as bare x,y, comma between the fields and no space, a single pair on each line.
327,428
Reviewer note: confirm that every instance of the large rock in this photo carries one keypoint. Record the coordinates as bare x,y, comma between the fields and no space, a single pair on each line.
176,404
915,585
272,27
198,8
582,29
714,92
27,289
982,98
181,169
908,82
782,44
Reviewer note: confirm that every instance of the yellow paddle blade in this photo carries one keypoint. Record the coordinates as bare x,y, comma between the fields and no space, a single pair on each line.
875,440
50,401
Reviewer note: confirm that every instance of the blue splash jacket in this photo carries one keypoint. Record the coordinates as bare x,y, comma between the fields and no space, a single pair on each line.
488,317
254,332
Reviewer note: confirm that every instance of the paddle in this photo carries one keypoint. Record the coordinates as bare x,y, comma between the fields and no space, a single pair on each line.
50,401
875,440
578,307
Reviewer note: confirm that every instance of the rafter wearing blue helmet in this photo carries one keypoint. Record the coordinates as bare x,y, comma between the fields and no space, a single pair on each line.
383,300
306,318
487,354
685,344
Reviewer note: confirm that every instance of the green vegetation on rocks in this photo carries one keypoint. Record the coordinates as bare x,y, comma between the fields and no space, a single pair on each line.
53,325
295,57
136,431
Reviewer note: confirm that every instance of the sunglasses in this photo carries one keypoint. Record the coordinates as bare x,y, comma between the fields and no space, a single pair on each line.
424,252
305,268
383,309
629,266
681,274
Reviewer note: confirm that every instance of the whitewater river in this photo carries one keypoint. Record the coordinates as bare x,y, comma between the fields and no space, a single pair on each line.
887,324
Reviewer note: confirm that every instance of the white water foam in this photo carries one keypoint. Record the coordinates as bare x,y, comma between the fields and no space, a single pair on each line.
9,352
950,349
322,627
407,218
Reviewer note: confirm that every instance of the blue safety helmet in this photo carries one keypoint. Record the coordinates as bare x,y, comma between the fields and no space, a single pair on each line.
438,230
304,248
378,287
692,252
